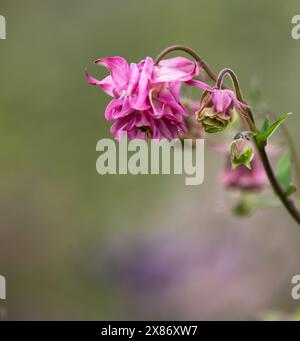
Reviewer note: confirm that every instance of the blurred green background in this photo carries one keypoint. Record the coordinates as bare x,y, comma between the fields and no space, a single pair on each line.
77,245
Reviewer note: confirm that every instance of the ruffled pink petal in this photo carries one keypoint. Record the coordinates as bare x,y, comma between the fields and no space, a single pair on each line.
119,70
200,85
133,79
123,124
131,125
178,69
221,100
136,134
157,106
126,108
112,109
176,121
174,88
140,102
236,102
142,119
164,130
170,126
106,84
156,135
166,97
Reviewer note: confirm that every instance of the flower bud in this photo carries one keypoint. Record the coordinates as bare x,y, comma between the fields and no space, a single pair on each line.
241,152
216,110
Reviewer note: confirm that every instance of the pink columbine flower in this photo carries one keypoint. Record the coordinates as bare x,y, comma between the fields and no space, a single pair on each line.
216,107
244,178
145,100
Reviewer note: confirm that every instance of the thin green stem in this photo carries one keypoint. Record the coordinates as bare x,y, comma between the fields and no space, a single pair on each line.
286,201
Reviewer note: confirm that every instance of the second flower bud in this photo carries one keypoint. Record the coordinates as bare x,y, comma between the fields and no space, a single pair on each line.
241,151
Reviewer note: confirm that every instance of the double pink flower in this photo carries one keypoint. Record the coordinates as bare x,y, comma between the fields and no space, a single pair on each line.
146,101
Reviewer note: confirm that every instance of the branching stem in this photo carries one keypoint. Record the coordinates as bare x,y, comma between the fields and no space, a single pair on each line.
286,201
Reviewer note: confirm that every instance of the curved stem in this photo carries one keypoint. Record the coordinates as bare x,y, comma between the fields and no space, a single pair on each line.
234,79
192,53
249,116
287,202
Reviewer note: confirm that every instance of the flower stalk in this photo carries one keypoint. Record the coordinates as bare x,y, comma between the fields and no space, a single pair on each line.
286,201
249,117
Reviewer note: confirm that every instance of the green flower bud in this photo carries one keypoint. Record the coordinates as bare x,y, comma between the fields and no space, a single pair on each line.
241,152
212,121
214,116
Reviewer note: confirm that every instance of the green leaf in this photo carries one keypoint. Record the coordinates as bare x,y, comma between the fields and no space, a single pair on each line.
292,189
284,172
263,135
265,125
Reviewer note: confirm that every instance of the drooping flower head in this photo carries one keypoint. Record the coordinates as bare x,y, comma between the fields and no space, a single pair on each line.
216,110
145,96
216,107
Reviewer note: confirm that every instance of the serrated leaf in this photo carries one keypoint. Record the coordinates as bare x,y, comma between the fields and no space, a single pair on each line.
262,136
284,171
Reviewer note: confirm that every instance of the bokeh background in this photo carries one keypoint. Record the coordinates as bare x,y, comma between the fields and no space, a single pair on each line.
77,245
